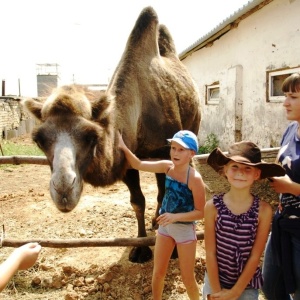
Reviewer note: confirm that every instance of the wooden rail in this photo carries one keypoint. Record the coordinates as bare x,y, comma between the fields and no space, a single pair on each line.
92,242
267,153
23,159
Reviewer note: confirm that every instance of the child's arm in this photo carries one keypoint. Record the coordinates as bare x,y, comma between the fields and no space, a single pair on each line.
21,258
210,213
199,194
264,222
284,184
160,166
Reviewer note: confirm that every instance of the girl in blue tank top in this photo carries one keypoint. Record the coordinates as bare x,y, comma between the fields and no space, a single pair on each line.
182,205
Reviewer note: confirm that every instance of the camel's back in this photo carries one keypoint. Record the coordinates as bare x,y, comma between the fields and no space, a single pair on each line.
153,90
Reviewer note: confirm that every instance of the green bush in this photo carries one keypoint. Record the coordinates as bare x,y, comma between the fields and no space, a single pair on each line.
209,144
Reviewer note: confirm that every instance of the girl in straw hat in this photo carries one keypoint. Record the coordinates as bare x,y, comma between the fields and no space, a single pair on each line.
237,225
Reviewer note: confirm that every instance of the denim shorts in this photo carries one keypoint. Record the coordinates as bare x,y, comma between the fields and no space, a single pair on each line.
179,232
248,294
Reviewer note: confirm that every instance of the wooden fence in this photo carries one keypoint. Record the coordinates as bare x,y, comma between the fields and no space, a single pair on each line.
267,154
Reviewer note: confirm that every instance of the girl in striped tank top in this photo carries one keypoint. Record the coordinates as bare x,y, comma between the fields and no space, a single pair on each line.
237,225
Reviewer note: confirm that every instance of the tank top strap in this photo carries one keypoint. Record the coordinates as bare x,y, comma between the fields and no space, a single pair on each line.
188,176
168,170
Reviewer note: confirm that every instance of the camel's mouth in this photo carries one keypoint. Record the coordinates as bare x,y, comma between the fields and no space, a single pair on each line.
65,199
65,206
64,210
64,203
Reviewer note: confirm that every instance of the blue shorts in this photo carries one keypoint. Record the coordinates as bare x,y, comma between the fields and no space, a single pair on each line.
179,232
248,294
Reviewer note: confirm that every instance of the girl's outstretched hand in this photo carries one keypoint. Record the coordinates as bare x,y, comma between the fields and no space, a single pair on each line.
122,145
21,258
27,255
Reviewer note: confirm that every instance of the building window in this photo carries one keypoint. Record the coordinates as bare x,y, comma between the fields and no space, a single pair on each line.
213,94
275,80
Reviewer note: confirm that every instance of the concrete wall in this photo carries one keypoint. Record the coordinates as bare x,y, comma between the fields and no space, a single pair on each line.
268,39
14,121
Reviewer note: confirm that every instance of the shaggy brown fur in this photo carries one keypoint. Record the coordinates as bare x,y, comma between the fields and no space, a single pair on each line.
150,97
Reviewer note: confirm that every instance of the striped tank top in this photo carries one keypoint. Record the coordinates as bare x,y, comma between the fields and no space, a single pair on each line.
235,236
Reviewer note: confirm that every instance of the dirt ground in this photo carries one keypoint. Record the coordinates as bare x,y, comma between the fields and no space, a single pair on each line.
27,212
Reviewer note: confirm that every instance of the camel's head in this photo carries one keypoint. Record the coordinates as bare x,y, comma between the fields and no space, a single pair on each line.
73,143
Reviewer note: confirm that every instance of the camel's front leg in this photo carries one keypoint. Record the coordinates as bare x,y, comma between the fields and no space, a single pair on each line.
160,181
137,201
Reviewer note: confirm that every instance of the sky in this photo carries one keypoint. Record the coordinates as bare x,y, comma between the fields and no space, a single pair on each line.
86,38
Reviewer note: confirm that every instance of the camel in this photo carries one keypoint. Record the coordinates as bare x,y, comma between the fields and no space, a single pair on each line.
150,97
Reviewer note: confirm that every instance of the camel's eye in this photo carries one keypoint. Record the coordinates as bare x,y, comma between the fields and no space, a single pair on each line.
43,139
39,139
90,138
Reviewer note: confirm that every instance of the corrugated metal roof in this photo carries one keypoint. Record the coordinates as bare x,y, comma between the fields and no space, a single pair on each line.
224,26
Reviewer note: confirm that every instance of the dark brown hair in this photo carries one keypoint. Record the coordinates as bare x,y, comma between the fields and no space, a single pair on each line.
291,83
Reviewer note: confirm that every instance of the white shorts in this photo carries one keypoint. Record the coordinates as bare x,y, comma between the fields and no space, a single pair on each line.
179,232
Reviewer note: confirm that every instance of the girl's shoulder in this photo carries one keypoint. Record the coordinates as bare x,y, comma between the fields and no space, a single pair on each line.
263,206
210,202
195,178
210,207
166,164
194,173
265,211
290,130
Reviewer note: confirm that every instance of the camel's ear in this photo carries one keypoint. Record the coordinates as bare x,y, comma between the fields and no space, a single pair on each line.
100,106
34,107
102,109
